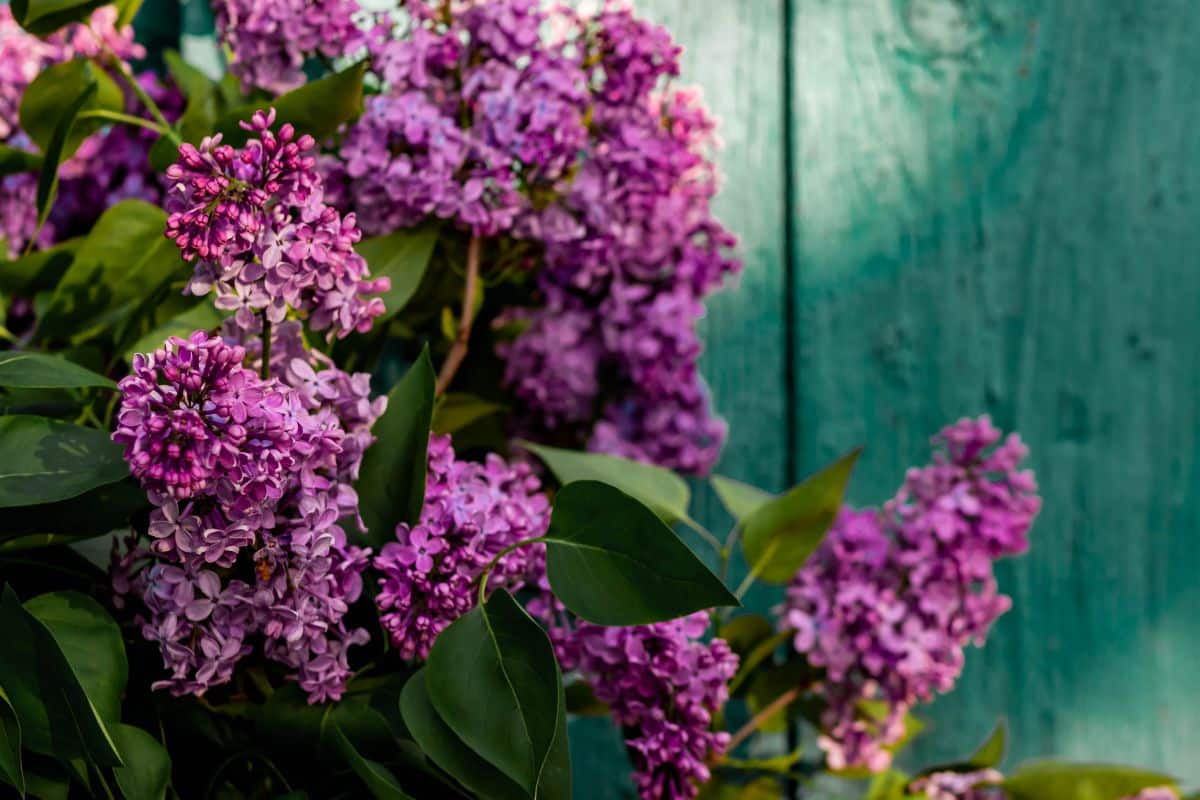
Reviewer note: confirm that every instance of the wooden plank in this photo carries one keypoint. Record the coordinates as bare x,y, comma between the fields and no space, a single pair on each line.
997,212
734,50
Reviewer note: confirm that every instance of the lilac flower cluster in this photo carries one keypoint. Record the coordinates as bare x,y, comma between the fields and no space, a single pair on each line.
663,684
110,165
570,144
978,785
471,513
248,477
1155,793
269,42
891,598
255,221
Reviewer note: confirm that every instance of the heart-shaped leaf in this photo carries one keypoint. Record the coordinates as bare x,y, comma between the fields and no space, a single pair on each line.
493,678
612,561
780,535
402,256
663,491
318,108
444,748
41,371
57,716
43,460
391,483
47,105
147,770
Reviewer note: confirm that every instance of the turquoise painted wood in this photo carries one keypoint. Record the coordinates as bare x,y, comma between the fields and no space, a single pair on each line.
995,211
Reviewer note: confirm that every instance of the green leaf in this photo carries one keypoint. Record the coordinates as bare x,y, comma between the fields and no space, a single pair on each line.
759,654
199,116
91,641
11,770
47,186
40,371
126,11
779,536
444,748
456,411
14,160
44,460
764,788
582,701
403,256
202,316
378,778
391,483
37,271
890,785
1057,780
47,105
93,513
780,764
744,632
41,17
991,752
663,491
125,259
772,682
740,499
147,770
57,716
318,108
612,561
493,678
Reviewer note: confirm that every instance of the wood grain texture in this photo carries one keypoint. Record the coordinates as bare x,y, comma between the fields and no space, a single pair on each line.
997,204
734,50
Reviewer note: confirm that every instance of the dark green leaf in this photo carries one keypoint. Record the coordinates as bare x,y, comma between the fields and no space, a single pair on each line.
125,259
41,17
444,748
91,641
765,788
740,499
493,678
43,460
318,108
759,654
391,484
40,371
37,271
663,491
779,536
456,411
780,764
1057,780
147,770
126,11
612,561
14,160
47,105
47,779
378,778
555,783
403,256
890,785
11,770
744,632
57,717
202,316
772,682
91,514
56,151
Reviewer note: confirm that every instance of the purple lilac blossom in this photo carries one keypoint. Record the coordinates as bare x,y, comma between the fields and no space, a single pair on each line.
978,785
250,472
255,222
891,598
472,511
269,40
568,142
1155,793
663,684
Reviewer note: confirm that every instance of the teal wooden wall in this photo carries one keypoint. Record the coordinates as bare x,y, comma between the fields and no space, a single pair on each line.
949,207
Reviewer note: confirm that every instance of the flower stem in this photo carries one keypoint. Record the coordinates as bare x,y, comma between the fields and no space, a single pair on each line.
746,731
128,119
487,571
458,351
265,370
146,100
